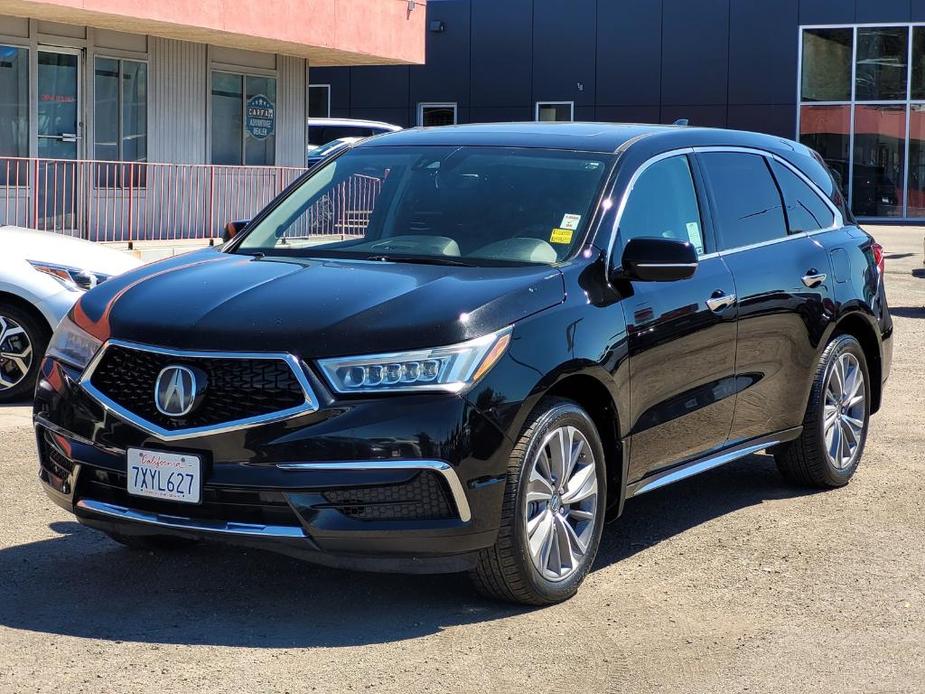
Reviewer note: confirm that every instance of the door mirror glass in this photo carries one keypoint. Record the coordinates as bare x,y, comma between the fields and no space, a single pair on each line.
651,259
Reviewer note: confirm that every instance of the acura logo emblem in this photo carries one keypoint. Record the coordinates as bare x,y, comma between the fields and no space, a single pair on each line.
178,390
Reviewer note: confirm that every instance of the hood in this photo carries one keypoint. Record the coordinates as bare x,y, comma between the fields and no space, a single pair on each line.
313,308
49,247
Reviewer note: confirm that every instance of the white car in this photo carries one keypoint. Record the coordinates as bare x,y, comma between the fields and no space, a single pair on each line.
42,275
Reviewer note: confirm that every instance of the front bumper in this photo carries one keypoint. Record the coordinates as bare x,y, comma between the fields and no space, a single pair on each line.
410,484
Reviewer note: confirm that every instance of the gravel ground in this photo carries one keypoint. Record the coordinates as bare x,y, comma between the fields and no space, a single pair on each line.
728,582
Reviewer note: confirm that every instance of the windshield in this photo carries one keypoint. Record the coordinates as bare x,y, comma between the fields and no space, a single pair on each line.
452,205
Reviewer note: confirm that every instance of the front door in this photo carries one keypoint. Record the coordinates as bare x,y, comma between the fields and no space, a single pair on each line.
59,130
681,335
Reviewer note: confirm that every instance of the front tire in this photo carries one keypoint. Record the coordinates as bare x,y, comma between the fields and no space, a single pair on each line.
23,339
553,510
829,450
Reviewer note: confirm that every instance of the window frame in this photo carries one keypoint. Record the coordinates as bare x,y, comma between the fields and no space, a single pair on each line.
699,187
854,103
705,199
147,107
437,104
308,100
570,104
243,74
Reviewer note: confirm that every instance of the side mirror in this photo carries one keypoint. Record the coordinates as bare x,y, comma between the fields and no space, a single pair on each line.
657,260
232,229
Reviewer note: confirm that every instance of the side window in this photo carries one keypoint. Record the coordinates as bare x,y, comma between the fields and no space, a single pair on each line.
748,205
663,203
806,211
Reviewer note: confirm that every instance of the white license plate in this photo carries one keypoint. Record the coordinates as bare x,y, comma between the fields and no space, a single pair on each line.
172,476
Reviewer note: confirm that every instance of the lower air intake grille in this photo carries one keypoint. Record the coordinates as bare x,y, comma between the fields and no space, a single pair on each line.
422,498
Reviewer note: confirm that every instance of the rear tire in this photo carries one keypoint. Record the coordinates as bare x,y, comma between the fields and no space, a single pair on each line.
829,450
152,542
23,340
552,513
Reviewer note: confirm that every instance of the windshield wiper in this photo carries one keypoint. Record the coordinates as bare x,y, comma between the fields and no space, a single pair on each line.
419,259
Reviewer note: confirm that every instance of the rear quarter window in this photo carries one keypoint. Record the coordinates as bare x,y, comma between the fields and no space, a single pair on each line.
806,211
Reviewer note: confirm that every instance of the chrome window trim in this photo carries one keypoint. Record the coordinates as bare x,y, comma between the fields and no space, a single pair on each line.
163,520
839,220
295,365
439,466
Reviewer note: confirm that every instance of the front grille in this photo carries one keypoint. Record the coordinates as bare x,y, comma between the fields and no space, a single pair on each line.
218,503
422,498
237,388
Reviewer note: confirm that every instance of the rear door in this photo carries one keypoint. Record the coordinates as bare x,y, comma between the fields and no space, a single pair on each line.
681,335
764,213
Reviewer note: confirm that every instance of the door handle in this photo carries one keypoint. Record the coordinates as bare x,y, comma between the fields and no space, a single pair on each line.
720,301
813,278
68,137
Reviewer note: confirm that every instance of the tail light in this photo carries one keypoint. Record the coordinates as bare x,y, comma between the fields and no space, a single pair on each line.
878,256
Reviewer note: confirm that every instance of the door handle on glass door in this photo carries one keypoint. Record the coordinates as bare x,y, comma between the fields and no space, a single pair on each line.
813,278
720,301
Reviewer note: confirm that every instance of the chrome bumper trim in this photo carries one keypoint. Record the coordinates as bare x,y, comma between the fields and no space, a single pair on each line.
438,466
295,365
183,523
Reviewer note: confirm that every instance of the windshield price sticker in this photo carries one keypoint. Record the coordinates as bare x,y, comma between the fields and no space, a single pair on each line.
570,222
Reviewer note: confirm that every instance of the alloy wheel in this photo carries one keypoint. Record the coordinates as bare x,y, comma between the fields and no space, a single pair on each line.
844,411
15,353
561,503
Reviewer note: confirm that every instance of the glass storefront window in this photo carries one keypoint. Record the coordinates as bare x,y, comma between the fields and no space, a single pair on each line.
827,129
243,119
120,120
879,160
882,64
14,112
916,203
827,64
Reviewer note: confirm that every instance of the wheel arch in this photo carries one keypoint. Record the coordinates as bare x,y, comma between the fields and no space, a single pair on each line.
859,327
28,307
596,399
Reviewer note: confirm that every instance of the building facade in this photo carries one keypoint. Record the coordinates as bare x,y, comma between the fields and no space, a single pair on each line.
167,92
846,77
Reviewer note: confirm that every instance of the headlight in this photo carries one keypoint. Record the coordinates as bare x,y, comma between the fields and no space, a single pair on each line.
449,369
72,278
72,345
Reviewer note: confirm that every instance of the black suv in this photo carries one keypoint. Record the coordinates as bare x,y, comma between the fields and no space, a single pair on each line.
513,329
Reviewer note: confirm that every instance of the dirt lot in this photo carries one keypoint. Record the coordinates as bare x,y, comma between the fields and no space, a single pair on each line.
730,582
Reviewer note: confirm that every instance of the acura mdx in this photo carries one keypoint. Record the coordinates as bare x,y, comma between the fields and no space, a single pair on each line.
463,348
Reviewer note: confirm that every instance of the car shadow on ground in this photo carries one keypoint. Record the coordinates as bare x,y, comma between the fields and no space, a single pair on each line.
82,584
908,311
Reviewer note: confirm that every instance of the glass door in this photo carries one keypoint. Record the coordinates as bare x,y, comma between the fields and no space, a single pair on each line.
58,119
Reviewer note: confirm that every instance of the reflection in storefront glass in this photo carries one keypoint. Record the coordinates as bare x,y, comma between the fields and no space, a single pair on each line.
827,130
879,155
916,207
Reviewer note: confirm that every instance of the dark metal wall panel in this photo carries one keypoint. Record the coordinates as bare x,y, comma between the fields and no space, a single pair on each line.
445,76
564,50
481,114
774,119
827,11
879,11
501,53
396,116
380,87
695,52
763,52
628,114
917,10
629,52
339,79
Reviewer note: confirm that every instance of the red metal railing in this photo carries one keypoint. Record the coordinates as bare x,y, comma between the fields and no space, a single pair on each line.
132,201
